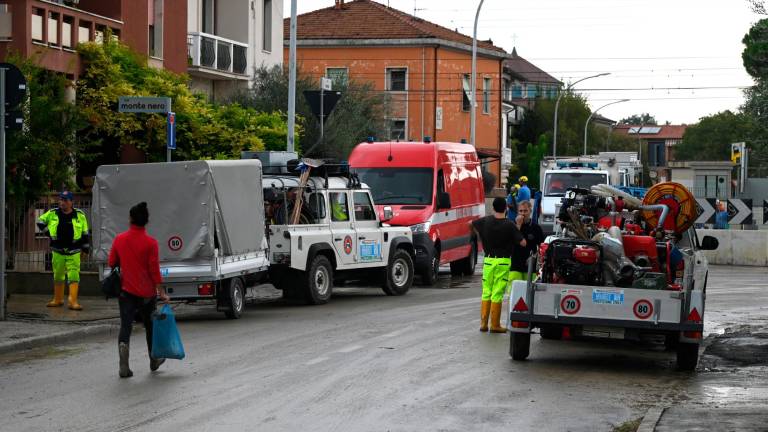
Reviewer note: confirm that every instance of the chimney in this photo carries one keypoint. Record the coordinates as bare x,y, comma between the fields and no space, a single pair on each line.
339,4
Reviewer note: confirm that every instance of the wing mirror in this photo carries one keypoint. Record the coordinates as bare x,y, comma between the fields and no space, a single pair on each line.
709,243
387,214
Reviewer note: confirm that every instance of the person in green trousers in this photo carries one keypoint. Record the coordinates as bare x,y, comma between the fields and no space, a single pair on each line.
499,236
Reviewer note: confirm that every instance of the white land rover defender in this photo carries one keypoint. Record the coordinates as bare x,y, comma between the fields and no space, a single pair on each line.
336,236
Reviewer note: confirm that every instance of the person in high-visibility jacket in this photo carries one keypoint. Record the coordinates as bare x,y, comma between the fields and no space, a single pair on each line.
499,236
68,229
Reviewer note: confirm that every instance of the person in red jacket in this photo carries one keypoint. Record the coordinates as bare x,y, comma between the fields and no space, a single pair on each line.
136,253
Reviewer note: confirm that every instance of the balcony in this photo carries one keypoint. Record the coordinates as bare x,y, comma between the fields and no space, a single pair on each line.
215,57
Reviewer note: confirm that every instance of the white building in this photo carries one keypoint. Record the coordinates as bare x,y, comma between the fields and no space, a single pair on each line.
229,38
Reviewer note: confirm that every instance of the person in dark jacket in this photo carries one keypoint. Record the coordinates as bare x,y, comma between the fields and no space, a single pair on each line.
136,253
533,236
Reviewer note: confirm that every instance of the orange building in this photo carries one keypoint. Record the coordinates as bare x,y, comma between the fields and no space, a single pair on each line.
424,68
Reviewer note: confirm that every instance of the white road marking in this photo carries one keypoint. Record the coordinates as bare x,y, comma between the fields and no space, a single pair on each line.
316,361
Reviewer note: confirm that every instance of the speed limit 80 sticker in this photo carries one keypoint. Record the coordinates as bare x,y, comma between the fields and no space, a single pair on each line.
643,309
570,304
175,243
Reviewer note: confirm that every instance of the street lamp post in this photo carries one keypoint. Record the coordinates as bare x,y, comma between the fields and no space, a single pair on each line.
473,86
557,106
586,125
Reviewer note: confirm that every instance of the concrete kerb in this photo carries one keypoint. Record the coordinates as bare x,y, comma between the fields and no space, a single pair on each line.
58,338
651,419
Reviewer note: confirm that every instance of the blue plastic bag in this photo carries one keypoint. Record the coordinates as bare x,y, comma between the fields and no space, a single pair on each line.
166,341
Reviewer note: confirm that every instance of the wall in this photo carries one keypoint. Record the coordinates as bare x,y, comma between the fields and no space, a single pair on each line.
175,36
257,55
741,248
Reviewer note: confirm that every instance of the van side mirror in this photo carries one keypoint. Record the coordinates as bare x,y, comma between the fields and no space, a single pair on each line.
443,200
709,243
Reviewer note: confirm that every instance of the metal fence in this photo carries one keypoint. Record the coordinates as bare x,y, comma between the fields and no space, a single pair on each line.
27,248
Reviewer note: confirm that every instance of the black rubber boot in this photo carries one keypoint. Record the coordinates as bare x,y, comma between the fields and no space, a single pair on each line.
154,364
125,371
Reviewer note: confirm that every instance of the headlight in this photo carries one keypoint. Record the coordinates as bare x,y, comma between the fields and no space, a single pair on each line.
549,218
421,228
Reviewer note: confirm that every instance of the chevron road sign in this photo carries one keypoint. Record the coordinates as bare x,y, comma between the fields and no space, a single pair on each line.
765,211
740,211
705,209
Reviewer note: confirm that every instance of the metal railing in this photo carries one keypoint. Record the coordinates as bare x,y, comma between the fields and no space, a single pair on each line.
27,248
214,52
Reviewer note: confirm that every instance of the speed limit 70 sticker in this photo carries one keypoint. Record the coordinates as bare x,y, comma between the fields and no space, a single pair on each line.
570,304
643,309
175,243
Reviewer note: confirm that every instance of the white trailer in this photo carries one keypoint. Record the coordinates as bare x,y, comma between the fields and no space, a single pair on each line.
207,217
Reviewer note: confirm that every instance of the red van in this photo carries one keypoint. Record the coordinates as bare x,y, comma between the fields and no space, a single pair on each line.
436,188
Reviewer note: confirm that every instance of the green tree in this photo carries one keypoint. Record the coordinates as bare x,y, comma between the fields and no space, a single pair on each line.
359,114
711,138
639,119
572,115
42,156
755,59
203,130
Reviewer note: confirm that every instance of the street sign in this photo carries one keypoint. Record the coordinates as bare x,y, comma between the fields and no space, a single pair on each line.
15,85
330,99
144,104
171,128
326,83
740,211
705,208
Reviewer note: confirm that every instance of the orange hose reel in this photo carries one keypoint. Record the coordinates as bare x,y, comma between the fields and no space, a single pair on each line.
681,203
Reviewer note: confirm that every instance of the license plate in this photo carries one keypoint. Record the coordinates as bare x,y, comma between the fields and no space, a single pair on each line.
604,296
603,332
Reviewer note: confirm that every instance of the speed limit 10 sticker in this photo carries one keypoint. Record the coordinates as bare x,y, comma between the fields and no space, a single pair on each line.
175,243
570,304
643,309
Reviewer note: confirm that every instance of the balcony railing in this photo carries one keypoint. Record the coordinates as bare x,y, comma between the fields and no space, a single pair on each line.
214,52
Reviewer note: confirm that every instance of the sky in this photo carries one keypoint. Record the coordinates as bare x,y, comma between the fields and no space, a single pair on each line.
678,60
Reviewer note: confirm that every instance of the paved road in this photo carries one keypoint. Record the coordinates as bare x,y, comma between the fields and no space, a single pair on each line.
368,362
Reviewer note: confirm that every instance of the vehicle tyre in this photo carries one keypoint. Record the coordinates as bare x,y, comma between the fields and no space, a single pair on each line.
551,332
429,275
687,356
236,300
466,266
318,281
399,274
519,345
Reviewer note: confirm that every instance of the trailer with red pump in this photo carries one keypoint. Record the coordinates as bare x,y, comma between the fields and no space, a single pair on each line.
436,189
618,268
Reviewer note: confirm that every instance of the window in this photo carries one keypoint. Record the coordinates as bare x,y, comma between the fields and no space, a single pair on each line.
398,185
156,29
316,204
396,79
66,31
339,75
517,91
37,25
486,95
397,129
6,22
363,207
267,25
532,91
339,208
466,95
83,32
53,28
209,8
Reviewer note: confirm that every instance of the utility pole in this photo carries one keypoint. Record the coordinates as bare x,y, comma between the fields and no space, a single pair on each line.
586,125
292,81
3,288
473,85
557,106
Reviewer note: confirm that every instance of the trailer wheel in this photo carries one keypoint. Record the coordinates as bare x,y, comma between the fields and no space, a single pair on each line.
465,266
687,356
318,281
399,274
236,299
519,345
429,275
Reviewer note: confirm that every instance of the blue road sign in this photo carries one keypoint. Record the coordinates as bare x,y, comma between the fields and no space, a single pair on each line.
171,131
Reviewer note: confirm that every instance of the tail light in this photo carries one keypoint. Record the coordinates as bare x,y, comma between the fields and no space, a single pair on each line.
585,255
519,324
692,334
205,289
520,306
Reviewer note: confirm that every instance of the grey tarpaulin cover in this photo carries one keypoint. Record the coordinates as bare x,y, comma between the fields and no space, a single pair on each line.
189,203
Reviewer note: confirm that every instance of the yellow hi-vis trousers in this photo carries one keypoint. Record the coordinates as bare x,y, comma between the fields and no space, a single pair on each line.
66,267
495,278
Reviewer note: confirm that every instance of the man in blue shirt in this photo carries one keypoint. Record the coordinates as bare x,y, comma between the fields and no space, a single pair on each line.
512,202
524,194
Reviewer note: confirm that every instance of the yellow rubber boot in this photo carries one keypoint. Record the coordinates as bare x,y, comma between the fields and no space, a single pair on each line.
58,295
74,287
496,319
485,313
